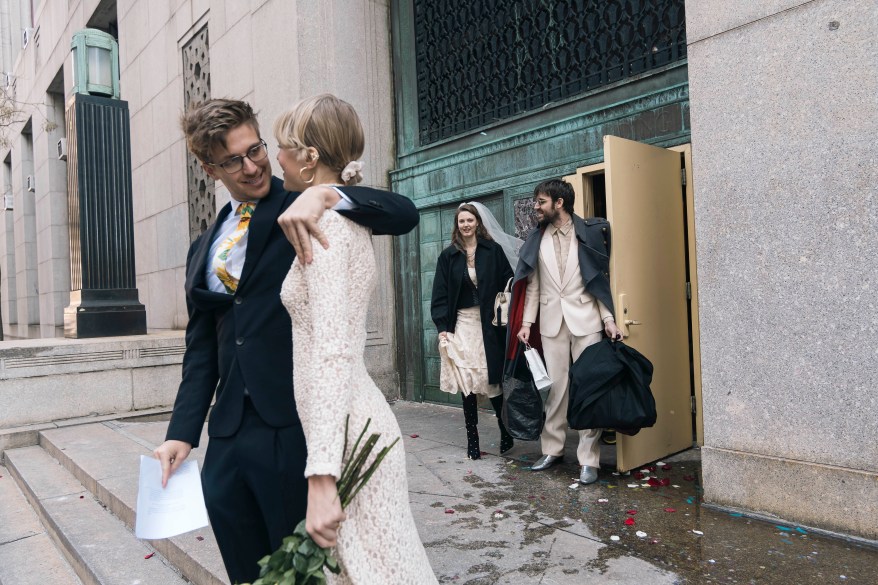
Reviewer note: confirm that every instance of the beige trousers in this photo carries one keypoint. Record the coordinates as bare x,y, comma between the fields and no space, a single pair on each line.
560,352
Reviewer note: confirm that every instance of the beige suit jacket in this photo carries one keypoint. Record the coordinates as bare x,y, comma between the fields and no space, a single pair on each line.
560,301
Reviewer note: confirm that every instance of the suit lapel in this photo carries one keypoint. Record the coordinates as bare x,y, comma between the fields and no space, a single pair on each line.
264,219
547,249
197,266
572,260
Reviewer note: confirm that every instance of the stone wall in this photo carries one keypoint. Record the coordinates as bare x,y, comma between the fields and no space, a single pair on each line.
784,118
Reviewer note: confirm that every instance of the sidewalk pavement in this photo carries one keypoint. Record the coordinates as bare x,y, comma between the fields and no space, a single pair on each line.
493,521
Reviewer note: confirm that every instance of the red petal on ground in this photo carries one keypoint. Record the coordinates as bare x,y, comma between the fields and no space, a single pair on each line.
199,538
631,512
670,509
653,482
414,436
666,467
651,468
629,521
449,511
665,481
81,497
638,475
689,477
150,555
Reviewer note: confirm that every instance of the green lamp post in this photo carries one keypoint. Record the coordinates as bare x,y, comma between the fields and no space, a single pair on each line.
103,291
94,60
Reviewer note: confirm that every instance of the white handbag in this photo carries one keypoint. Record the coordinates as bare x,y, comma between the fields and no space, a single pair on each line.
501,306
537,369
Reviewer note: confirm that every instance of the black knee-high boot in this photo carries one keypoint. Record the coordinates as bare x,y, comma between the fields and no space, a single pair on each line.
471,420
506,440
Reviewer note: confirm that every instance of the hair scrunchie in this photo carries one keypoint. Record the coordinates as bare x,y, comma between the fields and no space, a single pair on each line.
352,173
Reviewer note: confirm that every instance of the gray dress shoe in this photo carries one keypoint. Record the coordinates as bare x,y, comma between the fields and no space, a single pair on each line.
545,462
588,474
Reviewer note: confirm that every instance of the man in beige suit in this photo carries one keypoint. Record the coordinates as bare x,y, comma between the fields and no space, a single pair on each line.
566,266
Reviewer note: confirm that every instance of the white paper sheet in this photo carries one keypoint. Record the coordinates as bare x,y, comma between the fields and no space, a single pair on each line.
175,509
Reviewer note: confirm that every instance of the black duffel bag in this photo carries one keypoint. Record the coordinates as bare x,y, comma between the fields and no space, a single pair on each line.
522,405
609,388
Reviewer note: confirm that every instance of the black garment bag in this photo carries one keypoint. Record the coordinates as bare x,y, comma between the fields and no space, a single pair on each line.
522,405
609,389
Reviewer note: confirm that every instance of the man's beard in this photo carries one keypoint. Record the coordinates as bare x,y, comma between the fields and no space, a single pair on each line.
548,218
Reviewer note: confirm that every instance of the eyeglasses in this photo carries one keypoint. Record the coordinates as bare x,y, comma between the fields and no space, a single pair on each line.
236,163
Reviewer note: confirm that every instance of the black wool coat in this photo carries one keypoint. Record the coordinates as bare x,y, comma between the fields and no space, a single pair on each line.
492,272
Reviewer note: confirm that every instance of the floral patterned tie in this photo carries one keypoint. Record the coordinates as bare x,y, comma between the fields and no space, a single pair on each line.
245,210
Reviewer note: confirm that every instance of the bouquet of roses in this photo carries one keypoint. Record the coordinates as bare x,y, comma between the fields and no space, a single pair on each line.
299,561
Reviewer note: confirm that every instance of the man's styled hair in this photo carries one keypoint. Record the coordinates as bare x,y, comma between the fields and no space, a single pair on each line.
326,123
557,189
205,125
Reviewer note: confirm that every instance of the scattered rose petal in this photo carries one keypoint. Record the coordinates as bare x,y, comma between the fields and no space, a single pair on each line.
644,470
654,541
640,533
449,511
574,485
414,436
711,561
150,555
81,497
644,485
653,482
199,538
631,512
629,521
614,538
675,486
660,463
666,467
698,532
633,485
498,515
651,468
689,478
603,500
664,482
670,509
638,475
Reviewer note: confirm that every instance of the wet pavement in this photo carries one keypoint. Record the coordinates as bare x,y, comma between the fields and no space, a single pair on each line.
495,521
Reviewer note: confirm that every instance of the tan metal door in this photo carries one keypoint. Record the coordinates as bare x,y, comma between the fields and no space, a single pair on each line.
648,276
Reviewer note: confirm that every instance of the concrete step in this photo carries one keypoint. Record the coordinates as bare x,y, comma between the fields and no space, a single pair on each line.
27,554
105,458
100,548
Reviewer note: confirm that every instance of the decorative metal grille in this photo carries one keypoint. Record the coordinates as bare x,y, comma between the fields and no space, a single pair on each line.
196,89
479,62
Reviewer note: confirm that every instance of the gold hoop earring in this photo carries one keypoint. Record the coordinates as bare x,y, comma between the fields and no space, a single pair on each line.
301,175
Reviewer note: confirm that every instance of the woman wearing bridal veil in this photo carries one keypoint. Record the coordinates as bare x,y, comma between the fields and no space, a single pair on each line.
469,273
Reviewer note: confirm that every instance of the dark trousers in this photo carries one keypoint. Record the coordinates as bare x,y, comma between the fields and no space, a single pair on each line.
255,491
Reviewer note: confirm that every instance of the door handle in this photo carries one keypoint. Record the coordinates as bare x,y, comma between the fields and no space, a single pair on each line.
632,322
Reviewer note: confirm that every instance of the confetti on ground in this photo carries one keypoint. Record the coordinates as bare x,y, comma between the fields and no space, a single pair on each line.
414,436
666,467
670,509
633,485
150,555
614,473
735,514
690,500
629,521
631,512
698,532
498,515
660,463
614,538
675,486
801,530
784,528
449,511
573,485
612,487
584,509
199,538
81,497
711,561
784,540
603,500
644,471
640,533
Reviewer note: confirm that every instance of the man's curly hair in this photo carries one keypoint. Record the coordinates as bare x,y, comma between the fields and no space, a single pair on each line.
207,123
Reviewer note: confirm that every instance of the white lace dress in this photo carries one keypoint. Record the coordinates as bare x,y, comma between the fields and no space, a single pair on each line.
378,544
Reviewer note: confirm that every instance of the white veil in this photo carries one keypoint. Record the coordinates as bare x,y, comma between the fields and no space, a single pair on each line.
510,244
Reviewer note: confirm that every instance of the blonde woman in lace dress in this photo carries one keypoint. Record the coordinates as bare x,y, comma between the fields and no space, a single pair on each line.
320,140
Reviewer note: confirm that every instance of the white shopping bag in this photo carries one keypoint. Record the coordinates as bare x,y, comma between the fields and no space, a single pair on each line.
537,369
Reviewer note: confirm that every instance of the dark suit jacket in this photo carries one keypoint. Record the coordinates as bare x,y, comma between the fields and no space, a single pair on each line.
492,273
245,340
593,244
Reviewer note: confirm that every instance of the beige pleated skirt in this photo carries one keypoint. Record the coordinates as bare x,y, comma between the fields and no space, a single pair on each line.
464,367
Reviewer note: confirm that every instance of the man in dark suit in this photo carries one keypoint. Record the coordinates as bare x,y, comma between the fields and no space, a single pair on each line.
239,336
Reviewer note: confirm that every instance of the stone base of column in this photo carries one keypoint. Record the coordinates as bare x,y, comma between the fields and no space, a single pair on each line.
104,313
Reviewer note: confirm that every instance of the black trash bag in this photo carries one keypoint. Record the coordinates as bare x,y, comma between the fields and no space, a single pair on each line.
609,388
522,404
